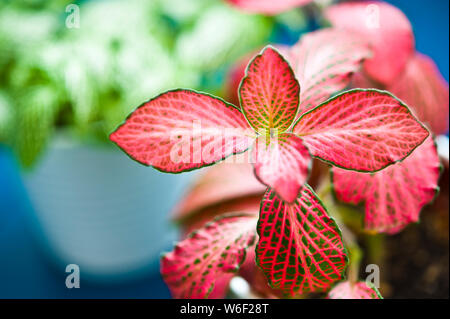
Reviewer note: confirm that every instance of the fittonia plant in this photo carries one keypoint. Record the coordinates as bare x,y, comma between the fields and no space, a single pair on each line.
299,246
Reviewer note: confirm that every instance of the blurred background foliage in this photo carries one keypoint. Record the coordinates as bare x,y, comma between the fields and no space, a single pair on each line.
85,80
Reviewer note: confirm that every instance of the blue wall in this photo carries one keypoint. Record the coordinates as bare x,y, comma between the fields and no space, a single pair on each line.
430,24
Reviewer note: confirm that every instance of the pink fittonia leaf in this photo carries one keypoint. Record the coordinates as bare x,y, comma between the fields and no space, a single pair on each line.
237,72
182,130
269,7
423,88
300,247
282,163
220,183
364,130
246,204
388,31
269,92
324,62
394,196
214,251
358,290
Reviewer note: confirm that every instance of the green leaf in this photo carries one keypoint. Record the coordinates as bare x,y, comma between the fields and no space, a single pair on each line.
82,92
6,118
221,34
35,117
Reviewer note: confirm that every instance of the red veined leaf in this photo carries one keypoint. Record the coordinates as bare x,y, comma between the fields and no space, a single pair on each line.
300,246
394,196
182,130
358,290
216,250
268,7
388,31
220,183
282,163
423,88
269,92
324,62
363,130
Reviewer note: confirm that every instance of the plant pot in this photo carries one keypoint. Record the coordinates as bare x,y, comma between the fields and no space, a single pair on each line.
97,208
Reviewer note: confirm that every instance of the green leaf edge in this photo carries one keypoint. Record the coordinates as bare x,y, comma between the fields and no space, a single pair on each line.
375,289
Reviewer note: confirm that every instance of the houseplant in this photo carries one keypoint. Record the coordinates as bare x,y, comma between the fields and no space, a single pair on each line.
312,252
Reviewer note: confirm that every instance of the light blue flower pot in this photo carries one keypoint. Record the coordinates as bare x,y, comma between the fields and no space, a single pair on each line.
97,208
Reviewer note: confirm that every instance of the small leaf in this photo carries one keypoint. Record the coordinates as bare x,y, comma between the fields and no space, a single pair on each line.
388,31
359,290
246,204
282,163
80,86
182,130
300,247
214,251
6,118
394,196
324,62
269,92
423,88
218,184
215,37
35,115
363,130
268,7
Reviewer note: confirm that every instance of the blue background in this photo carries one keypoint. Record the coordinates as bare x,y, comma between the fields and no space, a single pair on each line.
25,270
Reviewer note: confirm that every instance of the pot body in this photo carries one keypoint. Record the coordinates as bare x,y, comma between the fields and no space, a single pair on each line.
97,208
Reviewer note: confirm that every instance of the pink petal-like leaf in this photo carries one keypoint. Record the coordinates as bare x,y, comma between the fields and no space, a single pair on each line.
237,72
300,246
269,92
358,290
423,88
268,7
388,31
363,130
197,219
218,184
221,286
394,196
282,163
182,130
324,62
216,250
